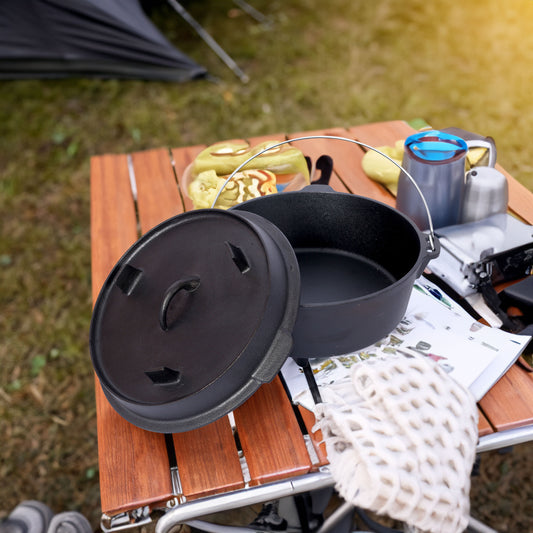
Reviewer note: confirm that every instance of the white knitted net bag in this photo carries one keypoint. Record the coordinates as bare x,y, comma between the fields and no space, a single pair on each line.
402,442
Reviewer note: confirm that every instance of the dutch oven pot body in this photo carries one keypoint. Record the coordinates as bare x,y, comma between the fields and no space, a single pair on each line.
358,261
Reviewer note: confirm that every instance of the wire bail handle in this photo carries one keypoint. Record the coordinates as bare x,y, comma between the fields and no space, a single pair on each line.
431,235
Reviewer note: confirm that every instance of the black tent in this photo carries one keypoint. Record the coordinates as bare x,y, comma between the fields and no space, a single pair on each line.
86,38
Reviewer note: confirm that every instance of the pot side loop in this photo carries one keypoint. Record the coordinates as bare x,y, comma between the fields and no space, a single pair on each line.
431,235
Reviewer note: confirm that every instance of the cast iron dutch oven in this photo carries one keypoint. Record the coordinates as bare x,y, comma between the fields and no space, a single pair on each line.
358,260
208,305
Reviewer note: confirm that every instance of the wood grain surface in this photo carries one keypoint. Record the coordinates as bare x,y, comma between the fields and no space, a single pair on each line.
270,435
207,460
133,463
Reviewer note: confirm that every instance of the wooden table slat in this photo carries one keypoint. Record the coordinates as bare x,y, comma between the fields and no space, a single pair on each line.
347,159
483,426
126,453
270,436
309,420
277,137
379,134
133,464
113,223
508,404
208,460
158,196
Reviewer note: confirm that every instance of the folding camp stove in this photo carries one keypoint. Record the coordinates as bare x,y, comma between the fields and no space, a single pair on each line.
495,249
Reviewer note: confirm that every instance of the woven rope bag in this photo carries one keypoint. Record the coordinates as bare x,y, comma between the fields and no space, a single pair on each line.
402,442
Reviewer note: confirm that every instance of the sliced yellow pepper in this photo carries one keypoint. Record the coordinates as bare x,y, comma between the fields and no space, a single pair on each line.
225,157
382,170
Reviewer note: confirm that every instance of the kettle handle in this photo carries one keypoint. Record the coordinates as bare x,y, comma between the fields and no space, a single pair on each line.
490,146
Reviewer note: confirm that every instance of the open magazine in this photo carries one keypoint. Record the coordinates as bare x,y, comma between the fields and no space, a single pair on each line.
435,326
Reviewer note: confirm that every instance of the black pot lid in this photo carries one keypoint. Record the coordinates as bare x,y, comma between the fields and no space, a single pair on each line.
194,318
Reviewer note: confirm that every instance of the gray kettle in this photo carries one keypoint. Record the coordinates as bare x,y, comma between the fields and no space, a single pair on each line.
436,160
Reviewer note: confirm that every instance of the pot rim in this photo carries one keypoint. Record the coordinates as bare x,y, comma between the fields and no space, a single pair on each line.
429,246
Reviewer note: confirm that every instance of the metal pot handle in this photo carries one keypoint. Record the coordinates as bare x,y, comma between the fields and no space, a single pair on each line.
431,235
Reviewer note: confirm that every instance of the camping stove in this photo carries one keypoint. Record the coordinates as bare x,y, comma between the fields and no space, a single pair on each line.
499,247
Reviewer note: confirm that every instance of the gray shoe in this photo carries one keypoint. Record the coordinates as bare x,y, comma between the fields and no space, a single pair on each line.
28,517
69,522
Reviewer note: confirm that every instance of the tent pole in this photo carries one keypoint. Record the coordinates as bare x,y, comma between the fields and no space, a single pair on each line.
209,40
254,13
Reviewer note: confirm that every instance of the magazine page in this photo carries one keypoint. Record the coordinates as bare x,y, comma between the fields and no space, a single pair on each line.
435,326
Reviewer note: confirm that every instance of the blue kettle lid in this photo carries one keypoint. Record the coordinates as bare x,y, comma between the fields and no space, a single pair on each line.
435,146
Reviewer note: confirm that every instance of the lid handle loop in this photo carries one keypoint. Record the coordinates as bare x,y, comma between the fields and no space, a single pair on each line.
189,284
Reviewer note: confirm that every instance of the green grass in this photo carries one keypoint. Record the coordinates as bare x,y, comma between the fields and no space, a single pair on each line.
320,64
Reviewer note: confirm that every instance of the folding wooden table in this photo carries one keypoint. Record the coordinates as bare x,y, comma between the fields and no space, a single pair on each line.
270,451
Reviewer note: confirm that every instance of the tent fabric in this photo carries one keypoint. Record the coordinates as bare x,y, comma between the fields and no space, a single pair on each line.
87,38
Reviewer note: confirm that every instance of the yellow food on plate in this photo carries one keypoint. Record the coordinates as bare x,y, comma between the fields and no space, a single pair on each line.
243,186
225,157
278,168
382,170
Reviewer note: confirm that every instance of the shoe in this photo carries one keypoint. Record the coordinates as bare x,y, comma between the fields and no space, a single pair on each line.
268,519
28,517
69,522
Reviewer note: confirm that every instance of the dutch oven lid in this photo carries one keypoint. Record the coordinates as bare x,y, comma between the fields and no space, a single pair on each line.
194,318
